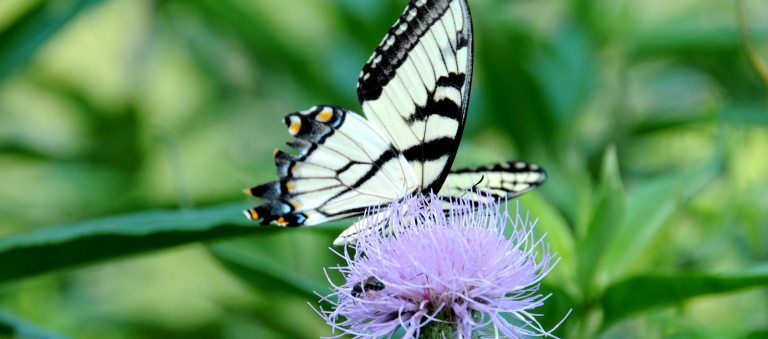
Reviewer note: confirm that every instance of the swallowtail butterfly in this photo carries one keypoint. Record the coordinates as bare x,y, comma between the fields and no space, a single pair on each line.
414,91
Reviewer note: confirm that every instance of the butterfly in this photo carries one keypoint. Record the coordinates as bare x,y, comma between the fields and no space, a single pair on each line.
414,91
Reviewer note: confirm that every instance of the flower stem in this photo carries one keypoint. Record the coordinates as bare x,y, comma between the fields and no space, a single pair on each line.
438,330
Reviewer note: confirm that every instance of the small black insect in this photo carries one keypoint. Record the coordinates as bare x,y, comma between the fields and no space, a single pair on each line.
369,284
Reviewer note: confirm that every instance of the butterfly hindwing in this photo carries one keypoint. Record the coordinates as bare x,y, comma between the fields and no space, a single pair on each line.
416,85
344,164
503,180
498,181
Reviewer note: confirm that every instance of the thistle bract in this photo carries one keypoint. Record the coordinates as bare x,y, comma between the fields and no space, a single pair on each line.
462,266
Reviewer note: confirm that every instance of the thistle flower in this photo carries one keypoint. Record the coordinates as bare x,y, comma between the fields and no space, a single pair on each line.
441,274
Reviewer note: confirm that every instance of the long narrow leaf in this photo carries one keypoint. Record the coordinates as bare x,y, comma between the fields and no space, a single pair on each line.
87,242
600,231
640,293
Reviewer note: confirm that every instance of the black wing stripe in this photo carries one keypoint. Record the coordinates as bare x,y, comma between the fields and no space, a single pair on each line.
431,150
415,87
396,45
443,106
507,179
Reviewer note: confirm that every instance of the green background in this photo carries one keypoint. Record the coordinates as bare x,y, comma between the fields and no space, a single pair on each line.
128,129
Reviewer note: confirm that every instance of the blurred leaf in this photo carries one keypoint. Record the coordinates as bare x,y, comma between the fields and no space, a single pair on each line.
280,319
54,248
517,105
13,327
115,127
289,261
358,20
569,187
559,235
268,48
555,308
256,262
24,37
566,73
661,123
650,205
746,113
600,230
709,45
761,68
681,33
640,293
758,334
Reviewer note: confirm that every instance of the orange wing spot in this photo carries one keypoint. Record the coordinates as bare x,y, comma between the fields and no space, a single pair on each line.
277,150
254,215
325,116
247,191
290,186
281,221
294,128
296,205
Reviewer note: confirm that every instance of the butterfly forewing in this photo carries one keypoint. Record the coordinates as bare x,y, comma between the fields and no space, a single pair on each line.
344,165
416,85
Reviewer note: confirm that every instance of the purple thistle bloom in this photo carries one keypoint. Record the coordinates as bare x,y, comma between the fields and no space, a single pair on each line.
457,270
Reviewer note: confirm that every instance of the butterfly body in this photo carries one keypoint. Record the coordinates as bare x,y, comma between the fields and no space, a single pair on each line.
414,91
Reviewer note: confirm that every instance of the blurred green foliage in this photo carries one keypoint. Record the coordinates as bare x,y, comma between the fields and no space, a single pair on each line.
147,118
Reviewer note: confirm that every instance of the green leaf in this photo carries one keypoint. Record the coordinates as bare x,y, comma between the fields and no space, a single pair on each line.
640,293
54,248
600,230
13,327
267,48
555,308
650,206
760,66
566,72
502,48
558,236
569,188
746,114
757,334
289,261
24,37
